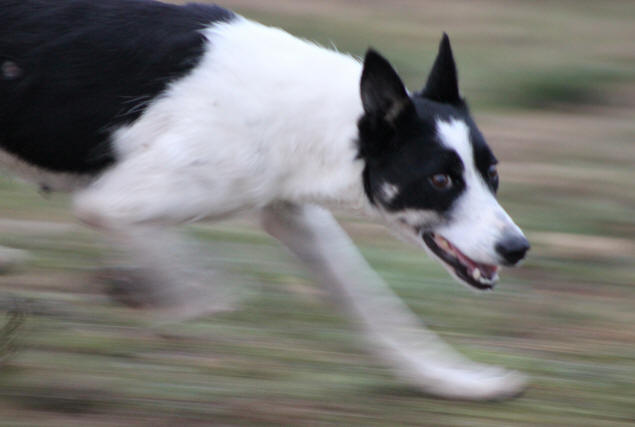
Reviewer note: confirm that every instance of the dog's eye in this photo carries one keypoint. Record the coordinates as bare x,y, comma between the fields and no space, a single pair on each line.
441,181
492,173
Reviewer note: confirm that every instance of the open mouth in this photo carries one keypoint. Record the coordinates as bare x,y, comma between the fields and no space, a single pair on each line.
478,275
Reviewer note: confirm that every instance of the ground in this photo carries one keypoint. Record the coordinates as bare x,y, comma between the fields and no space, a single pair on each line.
552,86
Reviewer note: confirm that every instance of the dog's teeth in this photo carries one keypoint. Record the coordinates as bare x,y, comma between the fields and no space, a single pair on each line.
476,274
444,245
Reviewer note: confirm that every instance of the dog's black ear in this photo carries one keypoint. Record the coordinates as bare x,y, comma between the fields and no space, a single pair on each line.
384,96
443,84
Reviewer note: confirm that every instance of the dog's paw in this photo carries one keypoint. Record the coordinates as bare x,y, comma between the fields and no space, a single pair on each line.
10,258
491,383
471,382
161,300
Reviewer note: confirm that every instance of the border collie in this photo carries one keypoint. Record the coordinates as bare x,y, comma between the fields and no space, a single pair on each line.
154,115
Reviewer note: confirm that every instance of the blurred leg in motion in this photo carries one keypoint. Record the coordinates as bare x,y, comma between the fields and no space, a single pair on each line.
392,330
165,273
137,210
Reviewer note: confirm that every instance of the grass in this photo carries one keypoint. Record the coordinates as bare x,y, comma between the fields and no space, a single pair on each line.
552,86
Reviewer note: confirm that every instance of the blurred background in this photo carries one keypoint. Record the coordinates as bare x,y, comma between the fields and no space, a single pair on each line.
551,85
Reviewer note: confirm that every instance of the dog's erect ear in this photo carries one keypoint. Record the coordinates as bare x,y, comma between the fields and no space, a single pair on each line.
383,94
443,84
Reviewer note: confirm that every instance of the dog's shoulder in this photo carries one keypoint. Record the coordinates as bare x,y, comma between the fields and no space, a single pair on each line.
73,71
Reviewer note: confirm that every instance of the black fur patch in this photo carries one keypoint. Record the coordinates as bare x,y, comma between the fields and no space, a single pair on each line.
417,155
403,149
483,156
73,70
443,85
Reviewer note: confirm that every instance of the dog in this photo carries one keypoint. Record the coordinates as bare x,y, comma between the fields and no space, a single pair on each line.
156,114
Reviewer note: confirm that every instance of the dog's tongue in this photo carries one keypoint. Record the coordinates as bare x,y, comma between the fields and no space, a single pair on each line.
485,270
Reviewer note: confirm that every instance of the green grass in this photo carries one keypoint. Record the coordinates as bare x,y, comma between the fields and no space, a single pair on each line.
552,86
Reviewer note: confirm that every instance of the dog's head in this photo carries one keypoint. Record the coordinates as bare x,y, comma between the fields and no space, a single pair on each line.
430,173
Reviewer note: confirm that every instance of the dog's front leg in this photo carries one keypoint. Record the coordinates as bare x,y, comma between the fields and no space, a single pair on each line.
398,336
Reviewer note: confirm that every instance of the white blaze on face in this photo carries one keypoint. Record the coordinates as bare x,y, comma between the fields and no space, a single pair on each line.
477,221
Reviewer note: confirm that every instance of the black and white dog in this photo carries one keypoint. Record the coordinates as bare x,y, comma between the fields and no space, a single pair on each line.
155,114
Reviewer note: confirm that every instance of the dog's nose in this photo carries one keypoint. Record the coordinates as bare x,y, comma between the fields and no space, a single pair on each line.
512,249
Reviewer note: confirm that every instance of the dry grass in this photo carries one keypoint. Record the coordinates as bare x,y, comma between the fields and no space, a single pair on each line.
551,84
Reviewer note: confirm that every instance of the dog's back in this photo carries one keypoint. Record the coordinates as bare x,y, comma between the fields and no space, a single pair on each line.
72,71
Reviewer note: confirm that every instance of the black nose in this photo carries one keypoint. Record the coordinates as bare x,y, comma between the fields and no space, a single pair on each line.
512,249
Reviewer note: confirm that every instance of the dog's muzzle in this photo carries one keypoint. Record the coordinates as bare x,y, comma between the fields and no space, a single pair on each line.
478,275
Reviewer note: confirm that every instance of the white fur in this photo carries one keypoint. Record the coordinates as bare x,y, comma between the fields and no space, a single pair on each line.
479,221
389,191
264,117
406,224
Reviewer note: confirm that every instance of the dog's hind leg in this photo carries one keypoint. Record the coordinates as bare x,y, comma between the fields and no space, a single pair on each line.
138,210
391,328
174,278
